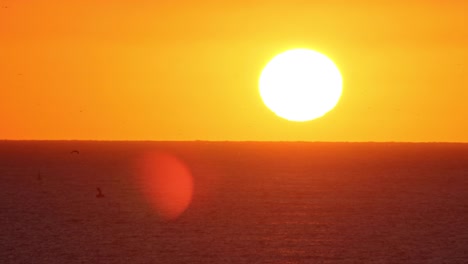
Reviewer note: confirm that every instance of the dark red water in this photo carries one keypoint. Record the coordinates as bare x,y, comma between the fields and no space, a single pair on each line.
252,203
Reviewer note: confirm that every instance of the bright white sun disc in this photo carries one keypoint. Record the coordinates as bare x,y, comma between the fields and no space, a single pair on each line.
300,85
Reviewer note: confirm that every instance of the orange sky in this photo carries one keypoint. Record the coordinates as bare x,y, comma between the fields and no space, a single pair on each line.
185,70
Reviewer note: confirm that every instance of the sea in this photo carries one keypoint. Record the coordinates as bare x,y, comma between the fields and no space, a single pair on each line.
248,202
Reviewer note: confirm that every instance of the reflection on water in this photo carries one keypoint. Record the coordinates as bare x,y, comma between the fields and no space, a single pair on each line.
251,203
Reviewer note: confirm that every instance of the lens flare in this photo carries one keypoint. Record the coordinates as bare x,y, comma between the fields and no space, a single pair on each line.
167,183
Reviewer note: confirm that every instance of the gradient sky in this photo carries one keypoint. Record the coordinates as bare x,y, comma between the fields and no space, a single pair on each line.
186,70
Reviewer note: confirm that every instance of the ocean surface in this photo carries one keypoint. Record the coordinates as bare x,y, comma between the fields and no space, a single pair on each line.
251,203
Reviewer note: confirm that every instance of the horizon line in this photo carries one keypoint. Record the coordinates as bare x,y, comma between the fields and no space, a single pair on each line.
228,141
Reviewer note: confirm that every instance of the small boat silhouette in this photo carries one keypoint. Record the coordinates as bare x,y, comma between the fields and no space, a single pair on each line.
99,195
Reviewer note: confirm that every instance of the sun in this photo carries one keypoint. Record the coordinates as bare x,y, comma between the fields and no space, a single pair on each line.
300,85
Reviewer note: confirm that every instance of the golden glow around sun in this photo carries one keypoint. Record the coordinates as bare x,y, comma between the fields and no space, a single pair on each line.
300,85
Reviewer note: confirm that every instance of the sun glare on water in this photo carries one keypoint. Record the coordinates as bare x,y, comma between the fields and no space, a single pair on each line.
300,85
166,182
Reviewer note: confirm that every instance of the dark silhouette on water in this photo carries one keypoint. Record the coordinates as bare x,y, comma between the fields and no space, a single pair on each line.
99,195
74,152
